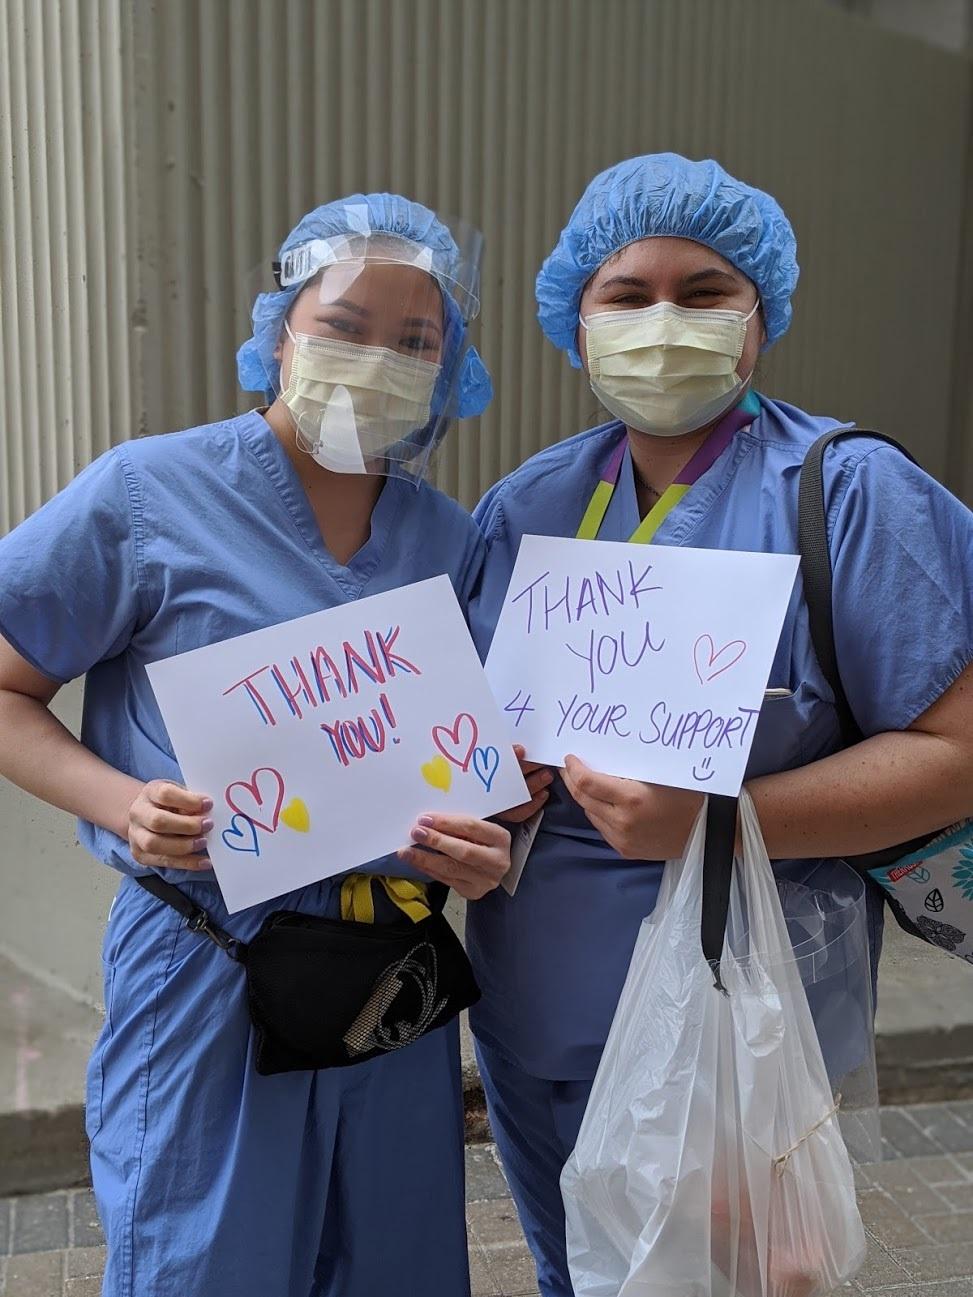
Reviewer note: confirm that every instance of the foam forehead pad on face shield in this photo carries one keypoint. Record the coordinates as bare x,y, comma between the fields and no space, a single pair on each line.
664,194
367,216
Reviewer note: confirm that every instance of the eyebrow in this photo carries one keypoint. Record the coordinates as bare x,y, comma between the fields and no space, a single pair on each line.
347,305
363,313
635,281
713,272
420,322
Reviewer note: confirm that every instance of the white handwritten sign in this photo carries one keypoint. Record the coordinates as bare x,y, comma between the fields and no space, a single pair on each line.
647,661
320,740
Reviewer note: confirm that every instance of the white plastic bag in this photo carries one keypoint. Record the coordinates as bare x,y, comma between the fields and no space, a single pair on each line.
710,1162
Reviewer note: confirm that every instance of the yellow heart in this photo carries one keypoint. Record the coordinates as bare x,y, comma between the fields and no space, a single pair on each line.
437,773
295,816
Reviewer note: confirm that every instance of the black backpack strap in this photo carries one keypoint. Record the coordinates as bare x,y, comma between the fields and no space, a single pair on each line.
721,825
815,551
197,920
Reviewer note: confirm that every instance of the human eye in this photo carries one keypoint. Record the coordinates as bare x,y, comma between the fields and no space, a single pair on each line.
346,326
418,344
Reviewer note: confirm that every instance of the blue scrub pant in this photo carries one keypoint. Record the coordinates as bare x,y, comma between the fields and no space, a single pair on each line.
535,1123
211,1179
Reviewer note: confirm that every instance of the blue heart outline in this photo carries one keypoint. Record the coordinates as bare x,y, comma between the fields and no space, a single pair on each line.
234,832
482,759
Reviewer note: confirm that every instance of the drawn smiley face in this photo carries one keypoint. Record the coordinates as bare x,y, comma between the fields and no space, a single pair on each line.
701,775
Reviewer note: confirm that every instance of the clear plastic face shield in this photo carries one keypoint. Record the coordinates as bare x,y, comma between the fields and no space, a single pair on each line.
371,349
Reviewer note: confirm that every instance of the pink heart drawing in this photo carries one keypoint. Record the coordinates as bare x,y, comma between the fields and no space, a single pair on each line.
706,656
464,725
261,792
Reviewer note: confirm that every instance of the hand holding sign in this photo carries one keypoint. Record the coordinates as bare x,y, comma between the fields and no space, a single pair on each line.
641,821
324,738
648,662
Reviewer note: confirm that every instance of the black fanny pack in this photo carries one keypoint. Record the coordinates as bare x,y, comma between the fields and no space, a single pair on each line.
335,992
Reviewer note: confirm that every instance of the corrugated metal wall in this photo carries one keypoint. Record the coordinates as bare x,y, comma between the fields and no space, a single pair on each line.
244,113
66,389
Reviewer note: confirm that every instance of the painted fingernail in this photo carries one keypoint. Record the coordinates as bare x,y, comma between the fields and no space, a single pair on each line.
207,826
419,835
207,804
427,820
199,844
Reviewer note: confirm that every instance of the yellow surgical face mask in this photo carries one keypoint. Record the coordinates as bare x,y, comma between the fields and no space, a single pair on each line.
665,369
352,403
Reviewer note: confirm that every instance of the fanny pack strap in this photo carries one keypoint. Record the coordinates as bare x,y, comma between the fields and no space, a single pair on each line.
197,920
358,904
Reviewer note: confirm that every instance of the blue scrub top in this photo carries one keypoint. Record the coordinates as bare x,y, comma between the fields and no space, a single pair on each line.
172,542
552,960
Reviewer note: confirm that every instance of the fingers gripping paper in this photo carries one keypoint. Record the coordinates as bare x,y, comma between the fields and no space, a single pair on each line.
648,662
321,740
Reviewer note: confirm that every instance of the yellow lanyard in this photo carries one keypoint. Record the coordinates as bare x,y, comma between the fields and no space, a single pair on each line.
707,455
357,903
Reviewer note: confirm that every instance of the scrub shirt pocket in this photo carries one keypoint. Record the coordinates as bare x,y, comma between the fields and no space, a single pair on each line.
794,729
95,1082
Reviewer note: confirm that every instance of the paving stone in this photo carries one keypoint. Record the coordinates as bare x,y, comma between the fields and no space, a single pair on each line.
943,1126
938,1171
494,1222
4,1227
85,1225
83,1262
862,1178
35,1274
963,1109
905,1136
880,1270
482,1282
965,1162
513,1270
950,1261
484,1179
964,1288
910,1192
896,1232
960,1198
952,1227
40,1223
82,1288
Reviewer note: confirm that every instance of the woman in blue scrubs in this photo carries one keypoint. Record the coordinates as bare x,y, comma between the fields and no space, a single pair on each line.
666,284
209,1177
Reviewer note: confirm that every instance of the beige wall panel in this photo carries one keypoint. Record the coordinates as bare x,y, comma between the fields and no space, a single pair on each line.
66,384
251,111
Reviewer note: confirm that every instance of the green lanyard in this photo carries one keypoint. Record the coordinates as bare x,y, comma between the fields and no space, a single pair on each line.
707,455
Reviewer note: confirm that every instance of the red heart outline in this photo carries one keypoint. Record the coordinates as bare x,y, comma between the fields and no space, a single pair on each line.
252,786
454,736
714,657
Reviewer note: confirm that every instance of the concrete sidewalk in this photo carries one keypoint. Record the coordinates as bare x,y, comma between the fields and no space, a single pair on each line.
917,1207
924,1048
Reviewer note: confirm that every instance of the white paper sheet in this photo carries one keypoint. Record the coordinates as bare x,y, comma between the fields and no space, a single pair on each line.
322,739
645,661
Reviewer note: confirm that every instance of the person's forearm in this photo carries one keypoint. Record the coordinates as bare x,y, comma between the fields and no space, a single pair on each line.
886,790
39,755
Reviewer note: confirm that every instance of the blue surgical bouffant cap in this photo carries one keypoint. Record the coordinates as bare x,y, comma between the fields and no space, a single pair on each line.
259,371
666,194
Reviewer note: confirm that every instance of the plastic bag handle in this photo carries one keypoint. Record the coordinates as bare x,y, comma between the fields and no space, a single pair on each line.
721,824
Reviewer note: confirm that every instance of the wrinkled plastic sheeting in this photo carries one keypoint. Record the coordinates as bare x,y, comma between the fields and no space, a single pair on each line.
711,1162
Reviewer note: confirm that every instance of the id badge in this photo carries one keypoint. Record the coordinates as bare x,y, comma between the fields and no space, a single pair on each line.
521,840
